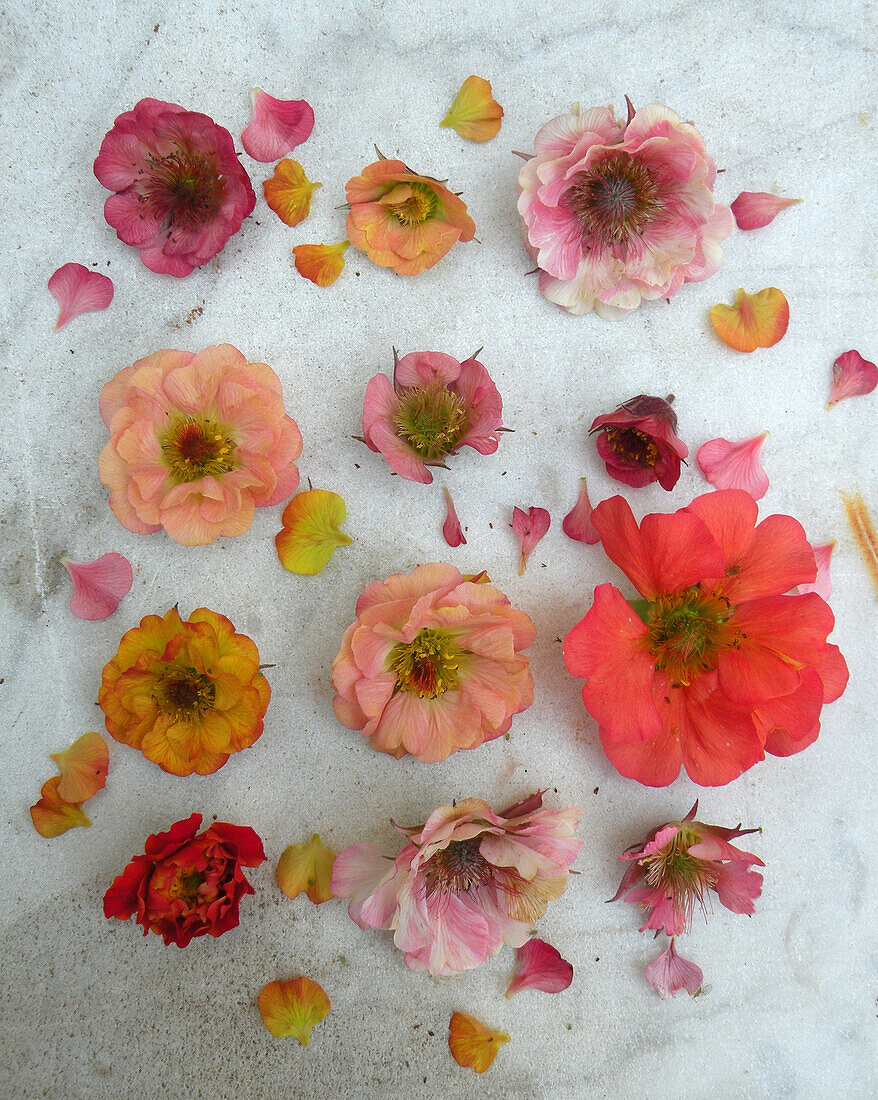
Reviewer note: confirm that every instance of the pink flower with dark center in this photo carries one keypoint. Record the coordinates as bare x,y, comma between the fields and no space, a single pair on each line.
179,189
639,442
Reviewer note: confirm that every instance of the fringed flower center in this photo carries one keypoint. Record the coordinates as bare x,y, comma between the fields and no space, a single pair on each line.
431,419
196,447
428,666
185,885
685,632
684,879
615,200
458,868
184,187
185,694
417,207
633,445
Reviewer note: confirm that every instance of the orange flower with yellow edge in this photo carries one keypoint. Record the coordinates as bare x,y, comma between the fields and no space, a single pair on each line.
402,220
187,694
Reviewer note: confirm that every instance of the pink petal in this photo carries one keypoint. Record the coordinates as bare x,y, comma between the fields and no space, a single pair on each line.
754,209
99,585
277,127
451,527
852,376
78,290
670,973
822,585
540,966
735,465
530,527
577,523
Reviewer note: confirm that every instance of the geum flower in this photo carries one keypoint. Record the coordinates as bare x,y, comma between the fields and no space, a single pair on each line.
432,664
620,212
715,665
639,442
197,442
180,190
434,406
468,881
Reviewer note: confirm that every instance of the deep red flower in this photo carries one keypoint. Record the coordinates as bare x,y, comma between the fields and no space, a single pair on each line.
639,443
187,885
716,665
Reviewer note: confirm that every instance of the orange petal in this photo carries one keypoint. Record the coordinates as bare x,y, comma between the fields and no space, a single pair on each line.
288,192
308,868
755,320
472,1044
310,533
474,114
83,768
52,816
321,263
863,530
293,1008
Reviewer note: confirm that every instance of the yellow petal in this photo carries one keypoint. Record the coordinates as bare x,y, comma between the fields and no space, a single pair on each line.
310,533
293,1008
52,816
472,1044
308,868
289,191
755,320
475,114
321,263
83,767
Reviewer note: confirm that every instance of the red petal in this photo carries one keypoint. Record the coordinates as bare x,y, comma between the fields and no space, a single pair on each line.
98,585
790,723
540,967
735,465
833,672
277,127
718,738
451,529
852,376
245,841
655,761
78,290
755,209
577,523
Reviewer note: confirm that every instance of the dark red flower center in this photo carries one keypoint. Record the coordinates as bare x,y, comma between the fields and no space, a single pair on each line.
632,445
614,200
183,187
428,665
185,694
196,447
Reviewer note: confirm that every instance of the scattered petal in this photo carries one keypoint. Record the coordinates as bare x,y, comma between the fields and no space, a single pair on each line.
577,523
278,125
52,816
755,320
98,585
78,290
735,465
474,114
472,1044
289,191
670,973
754,209
540,967
852,376
83,768
311,531
306,868
530,527
321,263
864,533
451,528
293,1008
822,585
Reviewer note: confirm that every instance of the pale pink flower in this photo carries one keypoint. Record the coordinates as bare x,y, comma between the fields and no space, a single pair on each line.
468,881
78,290
735,465
277,126
432,664
434,406
618,212
196,443
755,209
98,585
540,966
852,376
530,526
670,973
577,523
822,584
451,529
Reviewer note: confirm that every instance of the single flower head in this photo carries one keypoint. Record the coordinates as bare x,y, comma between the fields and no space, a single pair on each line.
639,442
179,190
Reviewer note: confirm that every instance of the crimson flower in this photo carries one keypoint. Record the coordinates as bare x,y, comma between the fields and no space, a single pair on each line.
639,443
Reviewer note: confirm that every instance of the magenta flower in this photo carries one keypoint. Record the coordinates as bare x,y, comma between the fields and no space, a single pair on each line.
179,189
670,973
639,442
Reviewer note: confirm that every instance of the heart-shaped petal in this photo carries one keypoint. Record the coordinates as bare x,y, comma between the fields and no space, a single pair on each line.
540,966
730,465
670,973
755,320
472,1044
307,868
311,531
83,768
530,527
289,191
78,290
98,585
321,263
278,125
474,114
755,209
291,1009
852,376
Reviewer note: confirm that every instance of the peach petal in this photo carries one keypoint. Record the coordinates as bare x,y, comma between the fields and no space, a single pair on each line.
79,290
472,1044
540,966
278,125
52,816
670,973
474,114
293,1008
310,532
321,263
307,868
735,465
577,523
98,585
289,191
451,528
755,209
852,376
822,585
530,527
83,768
755,320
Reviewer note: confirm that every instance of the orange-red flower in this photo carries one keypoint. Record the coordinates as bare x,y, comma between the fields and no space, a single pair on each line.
187,694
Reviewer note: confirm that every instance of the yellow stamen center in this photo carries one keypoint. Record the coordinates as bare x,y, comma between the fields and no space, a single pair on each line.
185,694
417,207
197,446
431,419
428,666
633,445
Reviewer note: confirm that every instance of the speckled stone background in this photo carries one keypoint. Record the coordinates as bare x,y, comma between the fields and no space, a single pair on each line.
784,95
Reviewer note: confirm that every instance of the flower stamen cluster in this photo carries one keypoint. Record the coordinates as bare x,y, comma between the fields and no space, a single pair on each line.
431,419
615,201
196,447
428,666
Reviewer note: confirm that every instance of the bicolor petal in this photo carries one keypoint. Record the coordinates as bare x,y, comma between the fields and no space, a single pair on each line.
320,263
755,320
472,1044
289,191
291,1009
852,376
52,815
311,532
83,768
474,114
540,966
307,868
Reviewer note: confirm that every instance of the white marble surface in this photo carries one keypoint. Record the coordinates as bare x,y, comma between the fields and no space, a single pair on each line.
784,96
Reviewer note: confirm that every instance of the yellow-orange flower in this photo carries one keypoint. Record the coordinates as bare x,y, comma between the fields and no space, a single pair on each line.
187,694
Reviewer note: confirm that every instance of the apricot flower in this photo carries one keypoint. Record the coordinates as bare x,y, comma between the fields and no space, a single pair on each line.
474,114
291,1009
306,868
757,320
289,191
472,1044
311,532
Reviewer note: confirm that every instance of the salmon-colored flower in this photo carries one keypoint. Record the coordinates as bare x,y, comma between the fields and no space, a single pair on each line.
639,442
432,664
78,290
289,191
468,881
735,465
402,220
187,694
54,815
620,212
320,264
291,1009
196,443
715,665
472,1044
179,189
474,114
83,766
755,209
757,320
187,884
306,869
98,585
